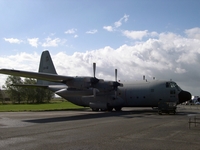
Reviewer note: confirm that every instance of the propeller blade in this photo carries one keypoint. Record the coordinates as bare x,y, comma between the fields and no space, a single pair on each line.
94,80
115,94
115,88
121,85
94,69
94,92
116,75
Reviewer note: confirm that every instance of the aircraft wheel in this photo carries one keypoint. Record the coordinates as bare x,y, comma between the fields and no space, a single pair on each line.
95,109
103,109
160,112
110,108
174,112
118,108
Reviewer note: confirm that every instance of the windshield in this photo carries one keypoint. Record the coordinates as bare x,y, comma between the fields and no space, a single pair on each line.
172,85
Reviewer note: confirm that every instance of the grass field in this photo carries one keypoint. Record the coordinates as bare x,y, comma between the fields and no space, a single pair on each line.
53,106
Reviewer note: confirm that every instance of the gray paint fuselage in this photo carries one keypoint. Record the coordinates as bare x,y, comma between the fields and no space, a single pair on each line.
141,94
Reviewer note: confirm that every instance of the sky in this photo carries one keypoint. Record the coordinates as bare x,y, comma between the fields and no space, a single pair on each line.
154,38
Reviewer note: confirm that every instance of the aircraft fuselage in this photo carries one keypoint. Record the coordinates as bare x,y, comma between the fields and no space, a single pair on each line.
136,94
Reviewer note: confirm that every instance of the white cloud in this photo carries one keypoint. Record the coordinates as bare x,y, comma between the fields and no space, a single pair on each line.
33,42
71,31
23,61
119,23
193,33
20,61
92,31
135,34
51,42
108,28
13,40
75,36
168,56
180,70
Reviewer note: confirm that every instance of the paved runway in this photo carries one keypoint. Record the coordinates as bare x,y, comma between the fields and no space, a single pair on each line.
133,128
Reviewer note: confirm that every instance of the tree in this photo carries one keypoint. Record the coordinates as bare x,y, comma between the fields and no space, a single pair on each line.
28,94
15,92
1,96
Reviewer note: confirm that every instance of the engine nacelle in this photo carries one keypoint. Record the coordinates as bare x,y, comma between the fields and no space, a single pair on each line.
104,85
71,93
79,82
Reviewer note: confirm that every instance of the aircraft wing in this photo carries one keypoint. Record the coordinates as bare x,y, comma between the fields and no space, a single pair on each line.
36,75
31,85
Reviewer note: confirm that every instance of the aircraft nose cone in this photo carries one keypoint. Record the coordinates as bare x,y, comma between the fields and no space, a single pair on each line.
184,96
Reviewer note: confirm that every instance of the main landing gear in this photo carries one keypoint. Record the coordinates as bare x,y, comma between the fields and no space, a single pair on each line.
108,109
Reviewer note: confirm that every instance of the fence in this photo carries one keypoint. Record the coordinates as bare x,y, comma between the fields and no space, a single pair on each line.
193,107
194,120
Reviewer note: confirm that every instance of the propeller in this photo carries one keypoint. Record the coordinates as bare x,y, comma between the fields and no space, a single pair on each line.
115,75
94,80
94,69
116,84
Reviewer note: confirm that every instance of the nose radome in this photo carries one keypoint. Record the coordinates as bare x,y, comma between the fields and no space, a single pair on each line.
184,96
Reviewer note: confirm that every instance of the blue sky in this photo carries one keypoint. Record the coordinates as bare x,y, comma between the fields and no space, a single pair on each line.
149,37
50,19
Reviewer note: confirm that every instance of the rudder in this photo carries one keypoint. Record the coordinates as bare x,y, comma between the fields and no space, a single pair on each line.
46,66
46,63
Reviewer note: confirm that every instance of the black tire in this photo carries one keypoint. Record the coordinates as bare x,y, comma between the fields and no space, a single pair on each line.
95,109
174,112
110,108
160,112
103,109
118,108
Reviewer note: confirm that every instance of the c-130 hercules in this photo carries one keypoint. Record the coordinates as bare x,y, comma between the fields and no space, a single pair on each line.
99,94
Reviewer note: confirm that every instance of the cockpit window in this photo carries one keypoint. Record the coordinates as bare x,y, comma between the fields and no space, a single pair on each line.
172,85
167,84
178,88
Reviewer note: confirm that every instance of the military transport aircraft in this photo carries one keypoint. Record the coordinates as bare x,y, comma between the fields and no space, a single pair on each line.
99,94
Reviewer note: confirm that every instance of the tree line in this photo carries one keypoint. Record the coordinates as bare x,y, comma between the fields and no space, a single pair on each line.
24,94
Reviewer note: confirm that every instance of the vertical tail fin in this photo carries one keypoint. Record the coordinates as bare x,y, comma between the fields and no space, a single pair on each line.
46,66
46,63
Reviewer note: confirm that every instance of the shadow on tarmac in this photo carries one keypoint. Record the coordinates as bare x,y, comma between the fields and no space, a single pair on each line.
138,113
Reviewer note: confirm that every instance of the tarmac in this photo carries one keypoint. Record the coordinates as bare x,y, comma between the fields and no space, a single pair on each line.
132,128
